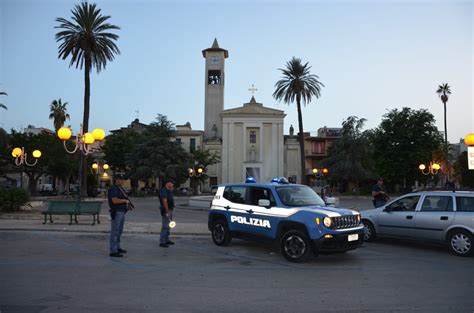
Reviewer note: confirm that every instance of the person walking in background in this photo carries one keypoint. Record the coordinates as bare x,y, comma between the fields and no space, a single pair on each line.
166,208
379,194
119,205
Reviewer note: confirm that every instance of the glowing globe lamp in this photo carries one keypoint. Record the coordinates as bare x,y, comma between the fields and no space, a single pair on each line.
95,166
88,138
64,133
200,170
99,134
16,152
36,154
325,171
422,167
436,166
315,171
172,224
469,140
105,166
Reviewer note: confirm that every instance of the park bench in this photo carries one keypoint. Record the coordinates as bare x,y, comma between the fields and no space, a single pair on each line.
73,208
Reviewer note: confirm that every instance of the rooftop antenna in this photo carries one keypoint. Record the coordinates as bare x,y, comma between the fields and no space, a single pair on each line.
137,114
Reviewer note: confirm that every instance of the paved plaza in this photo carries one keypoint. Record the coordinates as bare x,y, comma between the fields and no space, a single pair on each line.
71,272
44,269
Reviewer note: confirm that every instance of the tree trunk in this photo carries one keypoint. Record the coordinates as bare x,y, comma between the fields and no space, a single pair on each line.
301,140
68,178
446,139
85,121
32,181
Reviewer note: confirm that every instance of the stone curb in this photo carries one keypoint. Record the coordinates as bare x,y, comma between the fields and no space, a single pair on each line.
101,231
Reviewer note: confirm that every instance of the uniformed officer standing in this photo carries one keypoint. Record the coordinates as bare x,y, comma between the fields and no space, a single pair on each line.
166,208
119,204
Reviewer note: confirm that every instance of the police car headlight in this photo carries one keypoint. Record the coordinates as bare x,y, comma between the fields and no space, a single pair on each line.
327,221
358,218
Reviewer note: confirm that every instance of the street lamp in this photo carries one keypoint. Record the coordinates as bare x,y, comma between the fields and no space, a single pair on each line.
319,173
195,172
96,167
101,174
432,169
21,157
82,141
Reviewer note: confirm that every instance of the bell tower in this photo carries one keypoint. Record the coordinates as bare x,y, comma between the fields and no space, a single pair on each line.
214,90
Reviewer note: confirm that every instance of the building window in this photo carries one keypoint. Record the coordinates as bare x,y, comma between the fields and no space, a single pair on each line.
214,77
318,147
178,141
253,136
192,144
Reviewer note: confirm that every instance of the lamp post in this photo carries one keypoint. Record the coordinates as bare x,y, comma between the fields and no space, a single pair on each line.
82,143
100,173
195,172
21,157
318,173
432,169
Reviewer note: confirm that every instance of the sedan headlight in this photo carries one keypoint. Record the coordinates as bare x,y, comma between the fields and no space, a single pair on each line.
327,222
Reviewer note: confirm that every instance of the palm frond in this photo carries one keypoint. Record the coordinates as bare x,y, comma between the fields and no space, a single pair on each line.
297,82
87,35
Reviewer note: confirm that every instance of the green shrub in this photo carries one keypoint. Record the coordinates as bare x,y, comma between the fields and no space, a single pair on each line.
12,199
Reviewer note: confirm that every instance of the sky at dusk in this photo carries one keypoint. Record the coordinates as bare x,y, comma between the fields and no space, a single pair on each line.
372,56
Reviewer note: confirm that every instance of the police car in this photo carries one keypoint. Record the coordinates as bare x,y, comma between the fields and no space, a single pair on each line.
291,215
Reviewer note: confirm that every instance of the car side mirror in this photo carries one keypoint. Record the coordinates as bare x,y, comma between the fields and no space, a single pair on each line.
264,203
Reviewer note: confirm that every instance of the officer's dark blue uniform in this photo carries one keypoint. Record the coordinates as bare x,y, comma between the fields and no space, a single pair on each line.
117,213
166,193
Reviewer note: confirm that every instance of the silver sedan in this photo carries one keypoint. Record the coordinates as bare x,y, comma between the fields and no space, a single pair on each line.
445,217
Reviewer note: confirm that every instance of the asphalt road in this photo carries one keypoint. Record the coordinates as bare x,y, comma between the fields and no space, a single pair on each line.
70,272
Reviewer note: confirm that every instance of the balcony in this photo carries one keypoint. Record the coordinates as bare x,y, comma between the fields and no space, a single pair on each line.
310,153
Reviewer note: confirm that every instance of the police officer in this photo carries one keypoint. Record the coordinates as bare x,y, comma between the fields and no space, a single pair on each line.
119,204
166,208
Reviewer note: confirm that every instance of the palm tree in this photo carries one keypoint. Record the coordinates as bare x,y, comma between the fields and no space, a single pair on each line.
443,92
1,104
58,113
88,41
298,84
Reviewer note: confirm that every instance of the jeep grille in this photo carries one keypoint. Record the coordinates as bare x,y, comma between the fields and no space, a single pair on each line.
346,221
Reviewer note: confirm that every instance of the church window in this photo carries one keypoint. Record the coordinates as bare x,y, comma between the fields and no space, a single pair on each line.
253,136
192,145
214,77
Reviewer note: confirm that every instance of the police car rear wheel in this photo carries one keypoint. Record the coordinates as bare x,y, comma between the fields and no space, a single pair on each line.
220,233
295,246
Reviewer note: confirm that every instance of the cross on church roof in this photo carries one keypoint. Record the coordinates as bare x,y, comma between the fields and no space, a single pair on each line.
252,90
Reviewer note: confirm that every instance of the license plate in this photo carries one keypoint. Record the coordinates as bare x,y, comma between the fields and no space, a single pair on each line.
353,237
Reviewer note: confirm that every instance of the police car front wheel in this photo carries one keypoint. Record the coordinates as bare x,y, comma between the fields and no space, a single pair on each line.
220,233
295,246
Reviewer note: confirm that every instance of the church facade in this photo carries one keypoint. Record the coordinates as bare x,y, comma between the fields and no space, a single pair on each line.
249,139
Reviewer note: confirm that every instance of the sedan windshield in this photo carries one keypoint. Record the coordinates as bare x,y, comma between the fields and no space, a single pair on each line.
299,196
